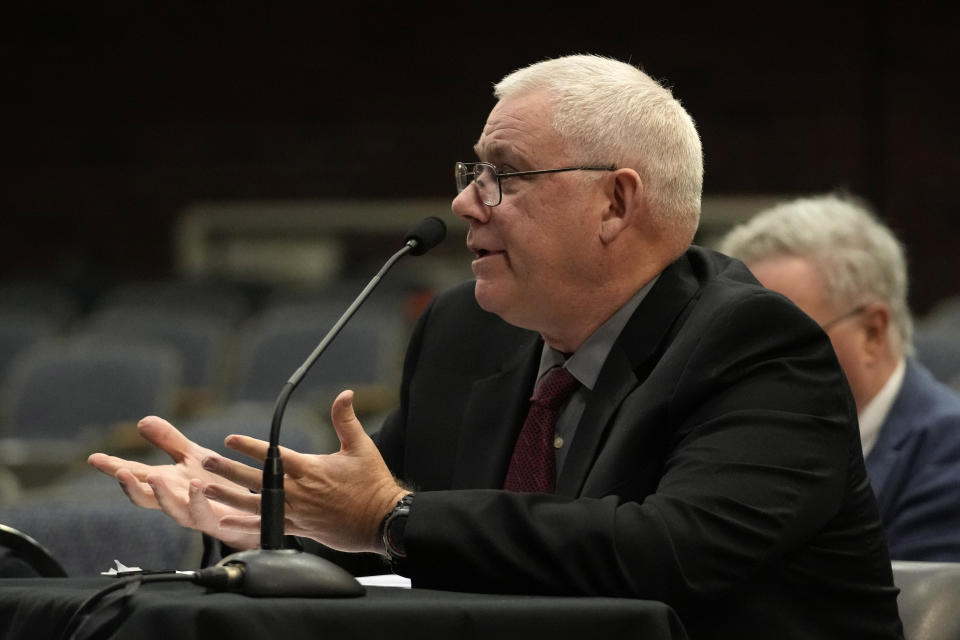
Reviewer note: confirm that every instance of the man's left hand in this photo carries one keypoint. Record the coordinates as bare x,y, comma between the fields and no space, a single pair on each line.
338,499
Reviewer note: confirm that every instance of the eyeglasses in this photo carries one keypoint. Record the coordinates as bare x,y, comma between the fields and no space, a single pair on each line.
485,176
843,316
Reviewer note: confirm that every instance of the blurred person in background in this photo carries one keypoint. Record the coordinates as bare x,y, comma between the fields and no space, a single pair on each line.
833,258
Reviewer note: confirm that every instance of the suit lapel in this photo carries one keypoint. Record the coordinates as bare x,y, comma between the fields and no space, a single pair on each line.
895,428
615,382
492,420
633,356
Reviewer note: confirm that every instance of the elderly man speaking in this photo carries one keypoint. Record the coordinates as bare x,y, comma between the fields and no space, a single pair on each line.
605,410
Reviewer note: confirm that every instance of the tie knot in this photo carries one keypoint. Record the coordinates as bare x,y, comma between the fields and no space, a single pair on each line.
554,387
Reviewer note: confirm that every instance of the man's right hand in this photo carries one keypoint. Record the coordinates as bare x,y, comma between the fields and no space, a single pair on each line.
177,489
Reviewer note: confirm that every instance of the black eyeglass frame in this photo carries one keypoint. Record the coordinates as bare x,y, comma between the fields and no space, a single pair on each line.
460,169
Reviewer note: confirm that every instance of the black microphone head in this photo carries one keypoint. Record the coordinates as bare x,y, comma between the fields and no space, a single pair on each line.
427,234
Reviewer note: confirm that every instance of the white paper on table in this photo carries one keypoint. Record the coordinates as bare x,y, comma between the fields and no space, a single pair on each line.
386,580
119,568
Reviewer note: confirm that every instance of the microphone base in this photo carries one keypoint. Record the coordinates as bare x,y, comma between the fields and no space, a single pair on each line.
292,573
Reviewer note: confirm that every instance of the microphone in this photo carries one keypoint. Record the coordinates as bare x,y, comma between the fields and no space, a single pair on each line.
272,570
427,234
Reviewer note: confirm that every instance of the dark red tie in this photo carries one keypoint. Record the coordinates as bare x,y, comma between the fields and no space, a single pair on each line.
533,466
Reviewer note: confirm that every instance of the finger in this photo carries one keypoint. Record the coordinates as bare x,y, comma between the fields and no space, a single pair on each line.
345,422
245,524
200,508
139,493
105,463
237,498
111,464
236,472
251,447
208,521
170,503
293,461
164,436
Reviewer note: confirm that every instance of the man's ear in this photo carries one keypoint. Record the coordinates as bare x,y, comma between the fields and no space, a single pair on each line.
876,323
625,204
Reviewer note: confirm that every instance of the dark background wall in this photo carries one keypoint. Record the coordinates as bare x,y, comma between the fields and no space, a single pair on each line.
118,116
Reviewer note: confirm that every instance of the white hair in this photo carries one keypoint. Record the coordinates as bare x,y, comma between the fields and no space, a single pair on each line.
612,112
857,255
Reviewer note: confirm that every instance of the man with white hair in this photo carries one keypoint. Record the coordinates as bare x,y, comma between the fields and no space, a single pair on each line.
847,271
689,437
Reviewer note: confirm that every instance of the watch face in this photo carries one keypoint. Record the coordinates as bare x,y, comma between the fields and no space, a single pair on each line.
395,531
395,527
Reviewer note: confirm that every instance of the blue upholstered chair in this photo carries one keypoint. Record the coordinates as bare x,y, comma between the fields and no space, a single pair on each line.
62,402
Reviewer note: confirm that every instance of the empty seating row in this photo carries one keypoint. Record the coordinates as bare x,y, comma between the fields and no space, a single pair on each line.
68,386
86,523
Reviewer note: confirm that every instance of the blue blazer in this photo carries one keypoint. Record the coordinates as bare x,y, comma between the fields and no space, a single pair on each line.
915,470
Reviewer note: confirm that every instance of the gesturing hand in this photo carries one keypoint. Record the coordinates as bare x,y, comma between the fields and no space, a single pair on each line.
337,499
177,489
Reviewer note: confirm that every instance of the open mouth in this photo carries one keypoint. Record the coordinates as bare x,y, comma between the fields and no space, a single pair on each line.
484,253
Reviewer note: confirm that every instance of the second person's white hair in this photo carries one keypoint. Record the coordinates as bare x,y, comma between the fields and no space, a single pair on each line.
858,256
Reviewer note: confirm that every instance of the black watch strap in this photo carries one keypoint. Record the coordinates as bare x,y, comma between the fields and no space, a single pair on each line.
392,533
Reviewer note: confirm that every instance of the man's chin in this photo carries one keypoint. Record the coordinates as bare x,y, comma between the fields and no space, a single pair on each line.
484,296
490,297
497,301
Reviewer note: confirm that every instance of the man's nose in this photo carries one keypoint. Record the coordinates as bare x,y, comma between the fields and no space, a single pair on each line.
467,205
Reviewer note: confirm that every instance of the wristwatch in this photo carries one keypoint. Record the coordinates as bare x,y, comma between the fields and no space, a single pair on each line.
392,533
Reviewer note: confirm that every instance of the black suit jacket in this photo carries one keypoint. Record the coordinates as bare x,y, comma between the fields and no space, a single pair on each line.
717,466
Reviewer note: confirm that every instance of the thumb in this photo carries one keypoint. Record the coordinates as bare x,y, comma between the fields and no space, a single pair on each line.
348,428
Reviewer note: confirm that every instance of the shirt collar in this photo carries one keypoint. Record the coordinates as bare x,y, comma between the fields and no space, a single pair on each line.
586,362
875,413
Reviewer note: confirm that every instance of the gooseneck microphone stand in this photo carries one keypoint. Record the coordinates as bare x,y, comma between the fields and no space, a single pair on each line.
273,570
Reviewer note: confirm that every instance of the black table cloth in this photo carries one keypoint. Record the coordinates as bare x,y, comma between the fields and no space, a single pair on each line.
41,607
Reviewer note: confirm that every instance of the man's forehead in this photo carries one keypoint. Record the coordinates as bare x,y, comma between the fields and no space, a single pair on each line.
491,151
517,127
795,276
510,146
